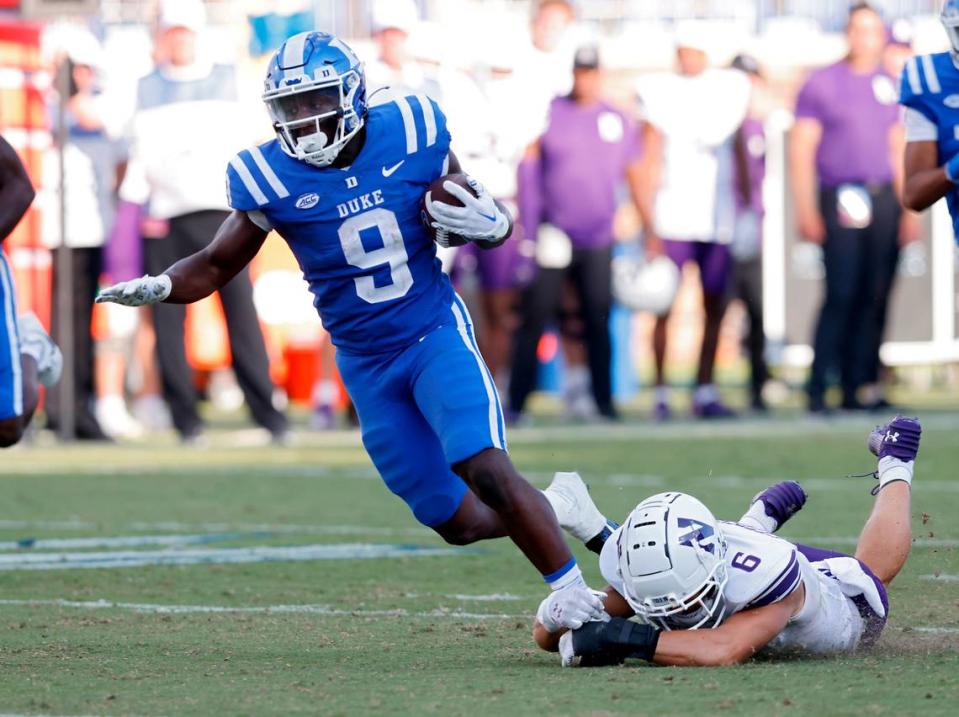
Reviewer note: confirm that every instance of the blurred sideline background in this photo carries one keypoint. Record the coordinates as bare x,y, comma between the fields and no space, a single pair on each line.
467,46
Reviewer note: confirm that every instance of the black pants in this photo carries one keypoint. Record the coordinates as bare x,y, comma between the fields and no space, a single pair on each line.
748,288
85,267
848,334
188,234
591,275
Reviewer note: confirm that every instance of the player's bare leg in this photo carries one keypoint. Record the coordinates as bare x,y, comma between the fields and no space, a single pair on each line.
715,308
887,536
473,521
524,512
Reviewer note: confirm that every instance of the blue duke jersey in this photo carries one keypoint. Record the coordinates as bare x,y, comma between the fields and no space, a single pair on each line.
763,569
930,88
356,232
408,356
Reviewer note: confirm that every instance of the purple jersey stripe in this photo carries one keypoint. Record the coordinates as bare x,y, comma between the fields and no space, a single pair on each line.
780,587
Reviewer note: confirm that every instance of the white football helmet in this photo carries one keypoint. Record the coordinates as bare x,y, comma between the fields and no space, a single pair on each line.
642,285
672,561
949,16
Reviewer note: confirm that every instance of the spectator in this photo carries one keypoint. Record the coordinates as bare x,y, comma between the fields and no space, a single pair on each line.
749,151
846,133
187,127
689,207
568,196
394,66
93,166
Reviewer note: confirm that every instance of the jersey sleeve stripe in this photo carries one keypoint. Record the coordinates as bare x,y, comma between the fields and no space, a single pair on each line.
929,70
281,191
10,318
446,165
912,75
429,118
495,414
248,181
409,124
784,584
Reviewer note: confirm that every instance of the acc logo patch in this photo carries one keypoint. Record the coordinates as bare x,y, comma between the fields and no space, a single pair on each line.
951,101
308,201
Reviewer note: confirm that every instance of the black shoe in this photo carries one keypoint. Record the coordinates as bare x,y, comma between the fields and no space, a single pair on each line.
758,405
817,406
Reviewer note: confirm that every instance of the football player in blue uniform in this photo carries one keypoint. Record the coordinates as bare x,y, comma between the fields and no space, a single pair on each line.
929,90
28,357
343,184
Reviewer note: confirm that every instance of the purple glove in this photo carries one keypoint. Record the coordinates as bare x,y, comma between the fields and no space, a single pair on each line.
782,501
899,438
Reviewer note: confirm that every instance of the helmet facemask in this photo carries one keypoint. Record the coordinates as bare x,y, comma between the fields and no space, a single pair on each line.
314,120
703,607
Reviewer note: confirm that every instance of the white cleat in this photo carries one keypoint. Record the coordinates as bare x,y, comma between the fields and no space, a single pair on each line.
575,510
36,342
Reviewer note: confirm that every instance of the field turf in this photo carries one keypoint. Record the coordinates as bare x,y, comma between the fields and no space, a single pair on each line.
300,585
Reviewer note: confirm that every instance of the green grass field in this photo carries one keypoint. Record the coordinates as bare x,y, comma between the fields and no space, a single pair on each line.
338,603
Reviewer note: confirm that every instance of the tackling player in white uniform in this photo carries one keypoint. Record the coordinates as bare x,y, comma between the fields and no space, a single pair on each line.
680,570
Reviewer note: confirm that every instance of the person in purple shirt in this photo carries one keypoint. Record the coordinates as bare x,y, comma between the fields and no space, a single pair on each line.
568,187
749,156
841,148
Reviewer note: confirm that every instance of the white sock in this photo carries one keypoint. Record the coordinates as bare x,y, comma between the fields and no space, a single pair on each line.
757,519
892,469
571,575
705,393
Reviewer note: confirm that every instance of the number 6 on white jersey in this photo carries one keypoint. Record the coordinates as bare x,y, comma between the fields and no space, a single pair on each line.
393,253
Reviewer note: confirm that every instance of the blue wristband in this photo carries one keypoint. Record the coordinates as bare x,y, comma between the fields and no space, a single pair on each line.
952,169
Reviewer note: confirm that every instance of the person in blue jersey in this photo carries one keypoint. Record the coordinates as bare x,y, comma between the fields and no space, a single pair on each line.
343,184
929,90
28,357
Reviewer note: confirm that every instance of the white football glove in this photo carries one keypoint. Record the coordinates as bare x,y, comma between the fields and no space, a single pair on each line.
138,292
479,219
571,607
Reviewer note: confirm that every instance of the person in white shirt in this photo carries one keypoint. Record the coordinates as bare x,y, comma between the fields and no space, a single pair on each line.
186,129
689,212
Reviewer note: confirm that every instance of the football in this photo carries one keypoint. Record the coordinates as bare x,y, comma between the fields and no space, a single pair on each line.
438,193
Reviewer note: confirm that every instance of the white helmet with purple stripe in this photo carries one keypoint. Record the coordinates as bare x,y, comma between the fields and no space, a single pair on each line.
316,94
672,561
949,16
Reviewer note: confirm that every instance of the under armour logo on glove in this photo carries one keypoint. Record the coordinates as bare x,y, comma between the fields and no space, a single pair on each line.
892,437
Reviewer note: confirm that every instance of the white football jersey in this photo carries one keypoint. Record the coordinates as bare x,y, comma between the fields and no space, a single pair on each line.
764,569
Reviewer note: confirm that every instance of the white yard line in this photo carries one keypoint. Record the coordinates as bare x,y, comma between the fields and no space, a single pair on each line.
219,556
262,609
941,578
936,630
127,541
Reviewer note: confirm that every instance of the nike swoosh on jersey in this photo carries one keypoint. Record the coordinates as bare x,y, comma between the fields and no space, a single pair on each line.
387,171
491,217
